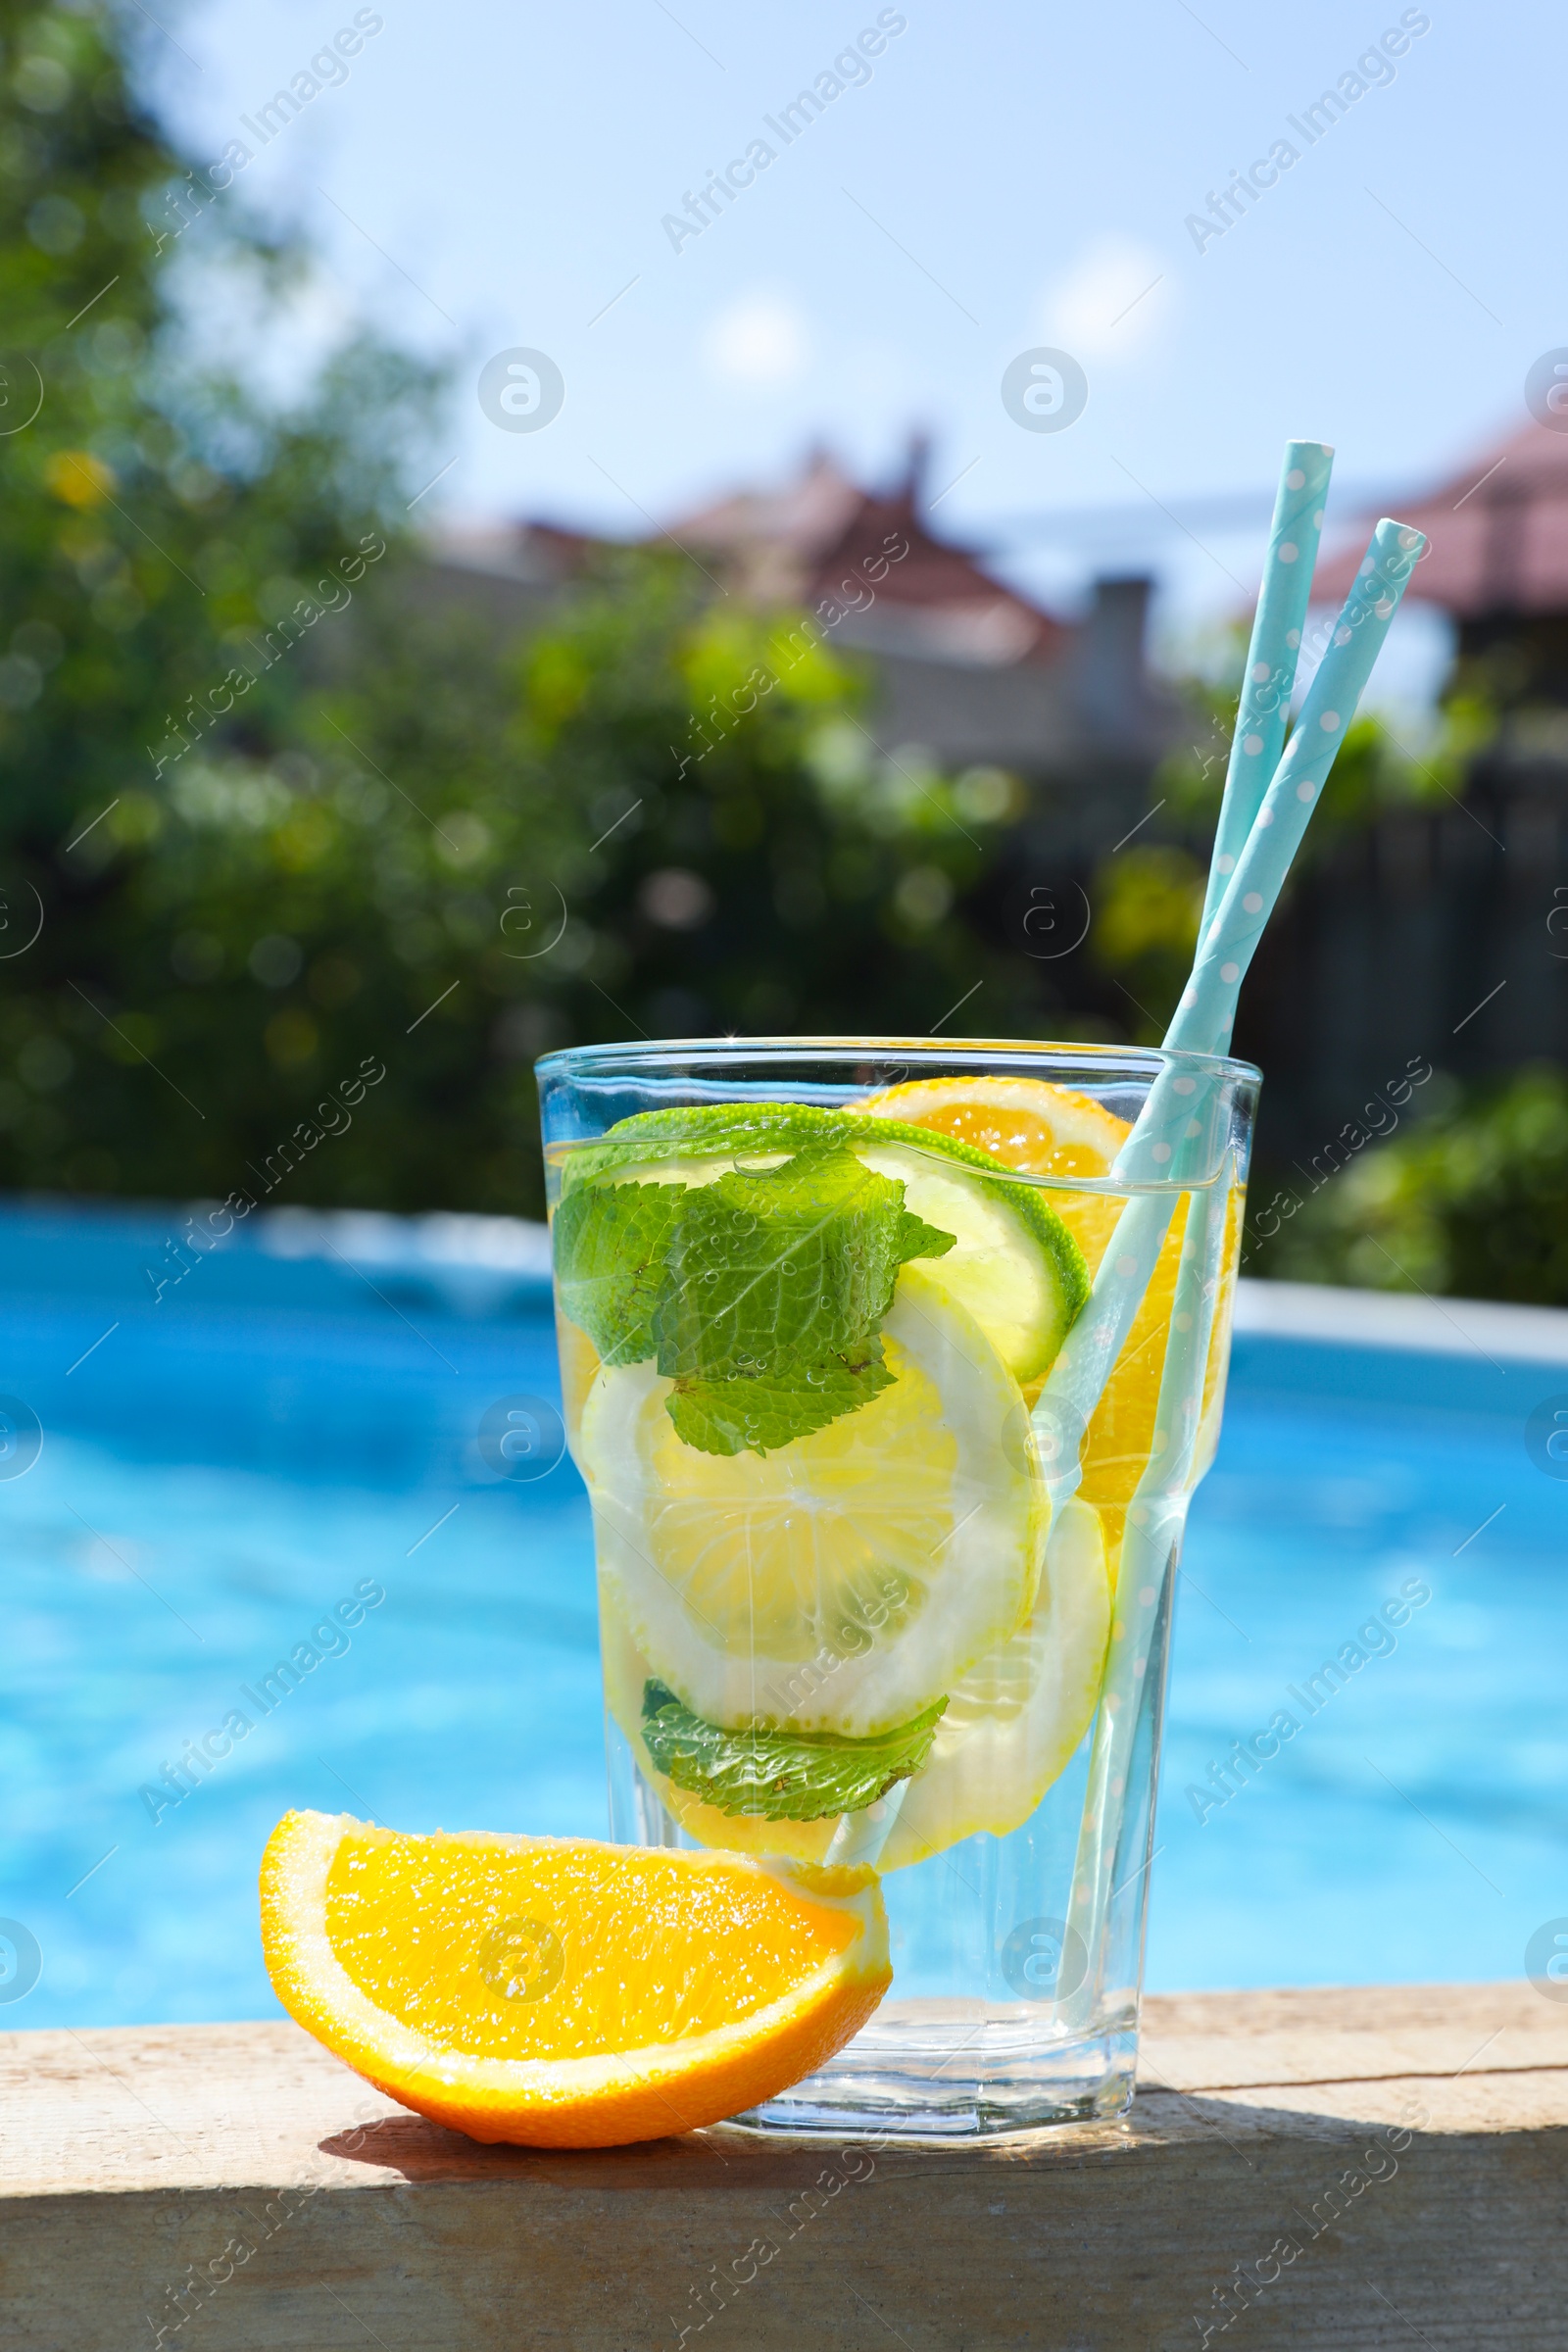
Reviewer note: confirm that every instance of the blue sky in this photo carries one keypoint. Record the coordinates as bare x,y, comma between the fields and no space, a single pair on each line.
1009,175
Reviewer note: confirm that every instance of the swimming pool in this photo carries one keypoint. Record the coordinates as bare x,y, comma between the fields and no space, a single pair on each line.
293,1422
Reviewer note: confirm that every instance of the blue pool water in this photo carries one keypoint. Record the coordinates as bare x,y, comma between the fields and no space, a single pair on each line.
282,1426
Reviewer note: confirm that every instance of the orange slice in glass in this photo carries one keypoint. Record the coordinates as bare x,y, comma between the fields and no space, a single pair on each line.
1027,1123
558,1992
1048,1130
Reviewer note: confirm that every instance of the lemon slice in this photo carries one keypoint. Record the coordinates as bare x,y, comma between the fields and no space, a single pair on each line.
1054,1131
579,1358
1012,1725
1014,1721
841,1583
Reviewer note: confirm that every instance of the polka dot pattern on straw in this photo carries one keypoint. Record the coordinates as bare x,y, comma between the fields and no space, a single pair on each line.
1271,656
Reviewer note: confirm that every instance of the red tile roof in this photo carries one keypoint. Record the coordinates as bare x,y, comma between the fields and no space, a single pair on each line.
823,537
1498,533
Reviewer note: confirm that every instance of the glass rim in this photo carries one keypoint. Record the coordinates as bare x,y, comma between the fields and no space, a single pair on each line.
652,1055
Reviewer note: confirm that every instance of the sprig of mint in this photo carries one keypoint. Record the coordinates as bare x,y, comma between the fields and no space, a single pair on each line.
760,1412
759,1295
776,1774
780,1266
611,1244
708,1131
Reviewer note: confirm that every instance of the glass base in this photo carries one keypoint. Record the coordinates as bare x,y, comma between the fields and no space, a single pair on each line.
957,2069
932,2067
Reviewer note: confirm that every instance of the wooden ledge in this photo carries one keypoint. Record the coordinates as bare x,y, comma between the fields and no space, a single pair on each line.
1324,2170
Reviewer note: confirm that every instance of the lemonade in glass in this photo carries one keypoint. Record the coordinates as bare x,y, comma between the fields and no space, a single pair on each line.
860,1589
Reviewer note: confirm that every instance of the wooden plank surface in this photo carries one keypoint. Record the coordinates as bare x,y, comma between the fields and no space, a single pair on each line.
1331,2170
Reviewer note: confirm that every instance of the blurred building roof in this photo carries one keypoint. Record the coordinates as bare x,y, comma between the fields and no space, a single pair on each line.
537,556
965,667
895,586
1498,533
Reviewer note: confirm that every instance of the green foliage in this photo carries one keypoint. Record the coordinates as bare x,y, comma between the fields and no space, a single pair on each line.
1191,778
1378,768
453,862
1474,1204
1147,903
286,810
171,544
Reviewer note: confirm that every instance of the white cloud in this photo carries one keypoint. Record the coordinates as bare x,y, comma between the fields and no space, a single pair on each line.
1112,301
759,341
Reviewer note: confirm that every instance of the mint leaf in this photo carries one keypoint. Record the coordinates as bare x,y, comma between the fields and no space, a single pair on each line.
916,1239
778,1280
760,1294
611,1245
767,1410
776,1774
708,1131
775,1268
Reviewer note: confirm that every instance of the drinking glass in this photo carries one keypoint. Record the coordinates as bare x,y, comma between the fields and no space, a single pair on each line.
977,1538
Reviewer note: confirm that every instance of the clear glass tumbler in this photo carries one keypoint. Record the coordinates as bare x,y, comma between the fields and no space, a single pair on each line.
890,1367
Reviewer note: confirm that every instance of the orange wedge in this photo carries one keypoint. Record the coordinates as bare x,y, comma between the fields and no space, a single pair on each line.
1048,1130
558,1992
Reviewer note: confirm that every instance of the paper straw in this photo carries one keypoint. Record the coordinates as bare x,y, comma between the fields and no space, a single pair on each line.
1162,1145
1155,1520
860,1839
1077,1379
1173,1135
1159,1144
1207,1009
1271,656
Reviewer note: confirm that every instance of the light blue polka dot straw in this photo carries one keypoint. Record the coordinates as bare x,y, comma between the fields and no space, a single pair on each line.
1272,655
1208,1010
1171,1132
1203,1019
1173,1138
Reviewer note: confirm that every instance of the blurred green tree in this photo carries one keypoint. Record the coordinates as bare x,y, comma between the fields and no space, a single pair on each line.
284,818
170,544
1376,770
1146,904
1149,896
652,818
1472,1201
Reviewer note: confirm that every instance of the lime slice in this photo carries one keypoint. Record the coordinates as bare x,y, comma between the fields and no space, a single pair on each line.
1014,1719
1016,1266
1030,1124
1013,1265
841,1583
